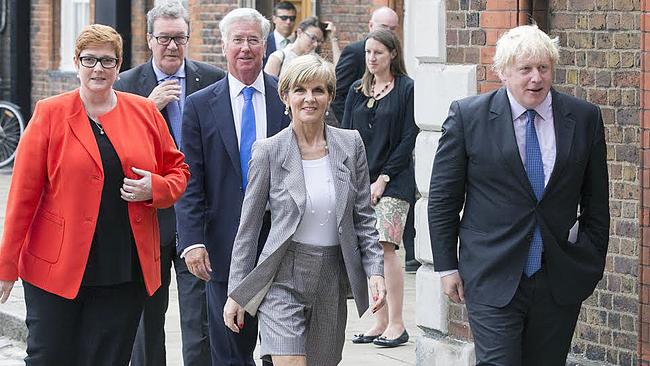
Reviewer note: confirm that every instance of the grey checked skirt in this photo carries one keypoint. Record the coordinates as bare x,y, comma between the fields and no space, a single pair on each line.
304,311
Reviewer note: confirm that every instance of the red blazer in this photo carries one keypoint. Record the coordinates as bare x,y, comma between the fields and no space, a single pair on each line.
56,188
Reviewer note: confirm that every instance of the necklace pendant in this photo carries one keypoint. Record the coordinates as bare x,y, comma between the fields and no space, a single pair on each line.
371,102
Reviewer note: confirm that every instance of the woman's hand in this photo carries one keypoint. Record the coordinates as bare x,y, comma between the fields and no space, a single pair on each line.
377,190
137,190
5,290
233,315
378,291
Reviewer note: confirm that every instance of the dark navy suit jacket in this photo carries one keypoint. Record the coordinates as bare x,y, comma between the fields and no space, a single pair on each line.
270,46
478,169
208,213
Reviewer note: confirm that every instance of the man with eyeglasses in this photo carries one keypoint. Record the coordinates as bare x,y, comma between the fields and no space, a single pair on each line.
167,78
284,19
220,124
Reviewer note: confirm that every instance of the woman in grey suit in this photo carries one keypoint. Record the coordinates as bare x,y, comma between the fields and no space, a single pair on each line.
322,244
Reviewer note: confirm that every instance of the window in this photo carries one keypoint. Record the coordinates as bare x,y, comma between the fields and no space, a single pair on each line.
75,14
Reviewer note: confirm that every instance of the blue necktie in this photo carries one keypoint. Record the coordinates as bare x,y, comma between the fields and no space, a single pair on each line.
535,172
247,133
174,115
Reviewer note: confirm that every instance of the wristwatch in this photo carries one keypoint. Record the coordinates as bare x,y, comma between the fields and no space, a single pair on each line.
385,177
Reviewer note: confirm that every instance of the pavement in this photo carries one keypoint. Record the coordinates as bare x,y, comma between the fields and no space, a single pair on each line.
13,332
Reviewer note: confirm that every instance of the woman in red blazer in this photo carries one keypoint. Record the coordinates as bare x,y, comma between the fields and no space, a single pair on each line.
81,229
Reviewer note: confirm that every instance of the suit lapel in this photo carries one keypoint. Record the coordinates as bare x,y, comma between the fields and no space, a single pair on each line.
224,120
294,180
80,127
503,133
193,78
564,129
340,173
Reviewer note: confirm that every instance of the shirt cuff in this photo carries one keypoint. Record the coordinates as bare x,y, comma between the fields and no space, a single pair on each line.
441,273
193,246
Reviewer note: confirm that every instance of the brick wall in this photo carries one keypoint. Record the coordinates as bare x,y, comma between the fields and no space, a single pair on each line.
46,79
644,221
600,44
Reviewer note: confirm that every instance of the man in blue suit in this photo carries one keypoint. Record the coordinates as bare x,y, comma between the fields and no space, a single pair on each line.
284,19
220,124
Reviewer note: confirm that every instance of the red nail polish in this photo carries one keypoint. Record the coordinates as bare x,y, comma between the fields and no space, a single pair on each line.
241,325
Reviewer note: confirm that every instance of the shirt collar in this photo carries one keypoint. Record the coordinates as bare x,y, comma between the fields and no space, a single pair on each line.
544,109
160,75
236,86
278,37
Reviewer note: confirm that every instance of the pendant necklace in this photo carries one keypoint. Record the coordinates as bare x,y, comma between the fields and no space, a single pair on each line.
373,98
99,125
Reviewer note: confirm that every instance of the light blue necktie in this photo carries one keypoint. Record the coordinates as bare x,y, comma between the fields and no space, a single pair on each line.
535,172
247,133
174,115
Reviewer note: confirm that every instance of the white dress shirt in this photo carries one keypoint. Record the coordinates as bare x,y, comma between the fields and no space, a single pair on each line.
279,40
259,104
544,126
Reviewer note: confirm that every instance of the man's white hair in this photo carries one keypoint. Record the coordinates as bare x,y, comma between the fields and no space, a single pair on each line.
244,15
526,41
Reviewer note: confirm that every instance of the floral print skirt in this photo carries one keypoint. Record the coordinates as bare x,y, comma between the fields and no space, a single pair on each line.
391,218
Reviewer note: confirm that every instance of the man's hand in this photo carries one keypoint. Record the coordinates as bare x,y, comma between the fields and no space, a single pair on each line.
233,315
198,263
452,286
165,92
5,290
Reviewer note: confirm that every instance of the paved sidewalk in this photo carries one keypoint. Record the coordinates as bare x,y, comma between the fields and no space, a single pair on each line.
12,329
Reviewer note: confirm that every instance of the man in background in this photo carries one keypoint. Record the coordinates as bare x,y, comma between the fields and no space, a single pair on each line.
284,19
167,78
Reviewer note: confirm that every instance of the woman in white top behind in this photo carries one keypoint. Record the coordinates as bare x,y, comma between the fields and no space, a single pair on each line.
322,244
310,34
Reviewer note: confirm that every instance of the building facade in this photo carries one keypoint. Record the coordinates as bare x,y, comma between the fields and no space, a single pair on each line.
449,44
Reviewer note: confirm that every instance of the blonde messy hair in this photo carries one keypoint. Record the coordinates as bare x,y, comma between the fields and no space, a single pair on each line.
306,69
524,41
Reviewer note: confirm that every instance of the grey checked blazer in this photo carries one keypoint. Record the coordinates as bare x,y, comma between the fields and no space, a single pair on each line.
276,176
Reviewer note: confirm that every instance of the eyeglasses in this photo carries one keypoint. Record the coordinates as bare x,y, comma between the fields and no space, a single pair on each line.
91,61
313,37
284,18
252,41
164,40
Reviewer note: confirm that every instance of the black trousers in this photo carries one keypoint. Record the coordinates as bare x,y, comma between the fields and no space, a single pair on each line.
95,328
149,347
532,330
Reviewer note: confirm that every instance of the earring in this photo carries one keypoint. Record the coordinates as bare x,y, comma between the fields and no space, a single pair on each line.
286,110
327,112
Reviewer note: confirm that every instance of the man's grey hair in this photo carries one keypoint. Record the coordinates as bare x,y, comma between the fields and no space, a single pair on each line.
246,15
170,9
526,41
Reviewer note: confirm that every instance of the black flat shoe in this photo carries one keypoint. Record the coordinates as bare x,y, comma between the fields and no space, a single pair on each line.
385,342
360,338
